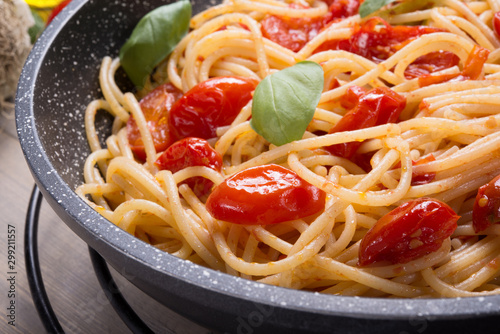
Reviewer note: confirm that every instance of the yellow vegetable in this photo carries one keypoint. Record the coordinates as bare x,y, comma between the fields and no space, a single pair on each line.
43,3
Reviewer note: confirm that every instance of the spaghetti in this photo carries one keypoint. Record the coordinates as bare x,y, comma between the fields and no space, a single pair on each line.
447,136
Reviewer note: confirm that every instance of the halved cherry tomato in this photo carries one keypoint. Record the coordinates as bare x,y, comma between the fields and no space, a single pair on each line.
210,104
190,152
352,96
430,63
473,68
263,195
377,40
291,33
294,33
343,8
408,232
155,107
486,210
420,178
496,23
423,178
378,106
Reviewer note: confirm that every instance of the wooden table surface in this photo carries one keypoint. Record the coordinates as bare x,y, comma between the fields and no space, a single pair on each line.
70,281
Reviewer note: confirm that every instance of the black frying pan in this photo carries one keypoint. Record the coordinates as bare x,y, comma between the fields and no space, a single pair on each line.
59,79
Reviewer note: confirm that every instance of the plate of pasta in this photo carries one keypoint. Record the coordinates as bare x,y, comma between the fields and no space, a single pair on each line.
302,165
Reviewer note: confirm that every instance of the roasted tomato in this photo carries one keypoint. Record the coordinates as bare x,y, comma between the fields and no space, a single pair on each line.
155,107
423,178
408,232
343,8
352,96
210,104
420,178
190,152
496,23
291,33
262,195
378,106
472,70
377,40
486,210
294,33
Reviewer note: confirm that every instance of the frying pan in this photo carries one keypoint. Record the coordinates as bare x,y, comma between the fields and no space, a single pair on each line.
59,79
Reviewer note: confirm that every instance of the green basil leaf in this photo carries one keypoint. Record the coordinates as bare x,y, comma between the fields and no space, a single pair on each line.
370,6
154,38
284,102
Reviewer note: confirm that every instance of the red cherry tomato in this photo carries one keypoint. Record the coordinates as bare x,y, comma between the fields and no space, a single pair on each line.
430,63
377,40
496,23
210,104
57,9
190,152
343,8
291,33
420,178
262,195
294,33
486,210
408,232
473,68
155,107
378,106
352,96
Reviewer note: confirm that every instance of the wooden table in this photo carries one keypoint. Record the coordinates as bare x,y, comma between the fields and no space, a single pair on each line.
70,281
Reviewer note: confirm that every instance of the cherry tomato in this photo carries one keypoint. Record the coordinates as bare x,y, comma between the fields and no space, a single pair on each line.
486,210
263,195
430,63
377,40
378,106
343,8
155,107
420,178
210,104
294,33
190,152
352,96
423,178
473,68
496,23
57,9
291,33
408,232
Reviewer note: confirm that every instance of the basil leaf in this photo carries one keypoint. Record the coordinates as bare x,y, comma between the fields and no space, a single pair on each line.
154,38
284,102
370,6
